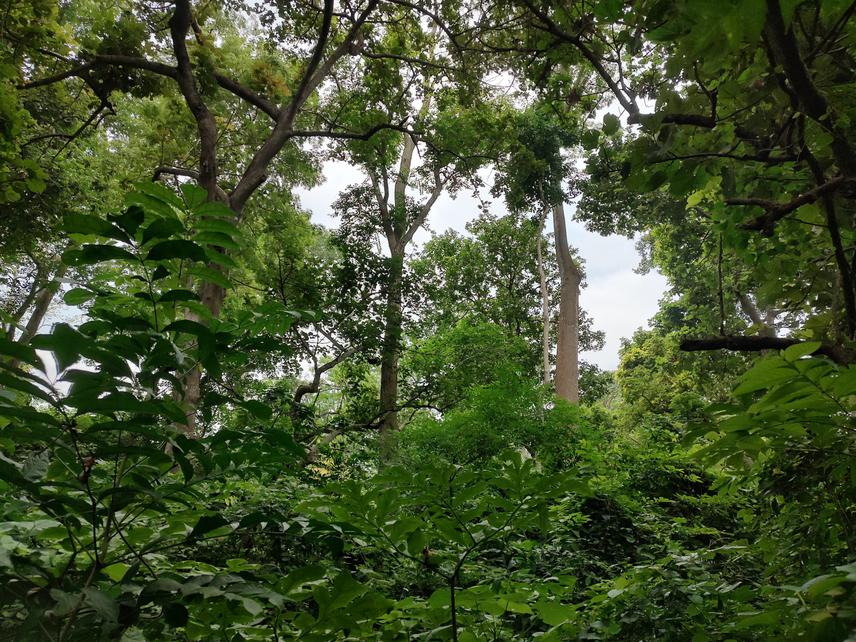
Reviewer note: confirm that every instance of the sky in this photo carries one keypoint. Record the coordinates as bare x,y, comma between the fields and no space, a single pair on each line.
618,299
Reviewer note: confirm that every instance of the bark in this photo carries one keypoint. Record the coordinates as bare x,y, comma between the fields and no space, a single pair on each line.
545,302
391,347
837,353
41,302
568,343
399,232
764,322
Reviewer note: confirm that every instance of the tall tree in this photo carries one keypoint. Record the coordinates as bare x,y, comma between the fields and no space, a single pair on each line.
531,177
199,71
762,161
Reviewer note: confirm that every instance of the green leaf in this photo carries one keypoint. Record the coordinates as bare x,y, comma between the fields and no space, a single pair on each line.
206,524
64,342
151,204
178,295
214,208
90,254
218,225
78,296
188,327
590,139
194,195
162,228
799,350
20,353
216,239
16,383
175,614
176,249
116,571
74,223
160,192
104,605
257,409
611,124
211,275
130,220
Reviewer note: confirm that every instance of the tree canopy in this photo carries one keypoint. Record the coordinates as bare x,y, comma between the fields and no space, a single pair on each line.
222,420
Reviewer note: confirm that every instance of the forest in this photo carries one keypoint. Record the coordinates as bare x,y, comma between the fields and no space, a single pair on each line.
221,419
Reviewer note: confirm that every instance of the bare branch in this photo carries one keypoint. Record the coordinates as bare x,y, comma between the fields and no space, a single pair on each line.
758,343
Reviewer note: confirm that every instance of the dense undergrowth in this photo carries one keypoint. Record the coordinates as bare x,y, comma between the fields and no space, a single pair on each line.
513,516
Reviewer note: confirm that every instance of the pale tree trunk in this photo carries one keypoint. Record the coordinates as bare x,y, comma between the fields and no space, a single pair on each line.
763,321
545,301
399,232
568,343
40,303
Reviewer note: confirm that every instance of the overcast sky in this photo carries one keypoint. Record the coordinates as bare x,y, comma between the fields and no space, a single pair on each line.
618,299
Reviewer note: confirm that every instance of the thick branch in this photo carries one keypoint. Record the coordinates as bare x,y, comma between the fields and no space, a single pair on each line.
758,343
205,123
786,51
425,209
329,133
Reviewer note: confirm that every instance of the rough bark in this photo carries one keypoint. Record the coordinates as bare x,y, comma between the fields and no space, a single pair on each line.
568,342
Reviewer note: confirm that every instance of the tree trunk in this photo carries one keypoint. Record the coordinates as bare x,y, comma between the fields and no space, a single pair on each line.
568,343
391,343
764,322
545,301
41,303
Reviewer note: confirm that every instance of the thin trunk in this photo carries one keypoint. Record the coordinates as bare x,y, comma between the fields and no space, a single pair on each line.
399,232
568,343
26,304
545,301
41,303
391,344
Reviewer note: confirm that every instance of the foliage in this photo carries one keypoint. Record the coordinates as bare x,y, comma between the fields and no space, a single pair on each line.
197,381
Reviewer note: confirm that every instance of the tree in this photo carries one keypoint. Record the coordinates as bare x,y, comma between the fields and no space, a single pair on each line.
102,69
718,146
532,177
452,128
492,275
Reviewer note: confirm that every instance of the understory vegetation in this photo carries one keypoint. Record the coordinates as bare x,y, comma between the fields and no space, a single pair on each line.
221,420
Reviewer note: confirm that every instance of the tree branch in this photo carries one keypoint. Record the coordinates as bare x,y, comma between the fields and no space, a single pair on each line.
188,173
776,211
786,51
758,343
315,385
179,25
